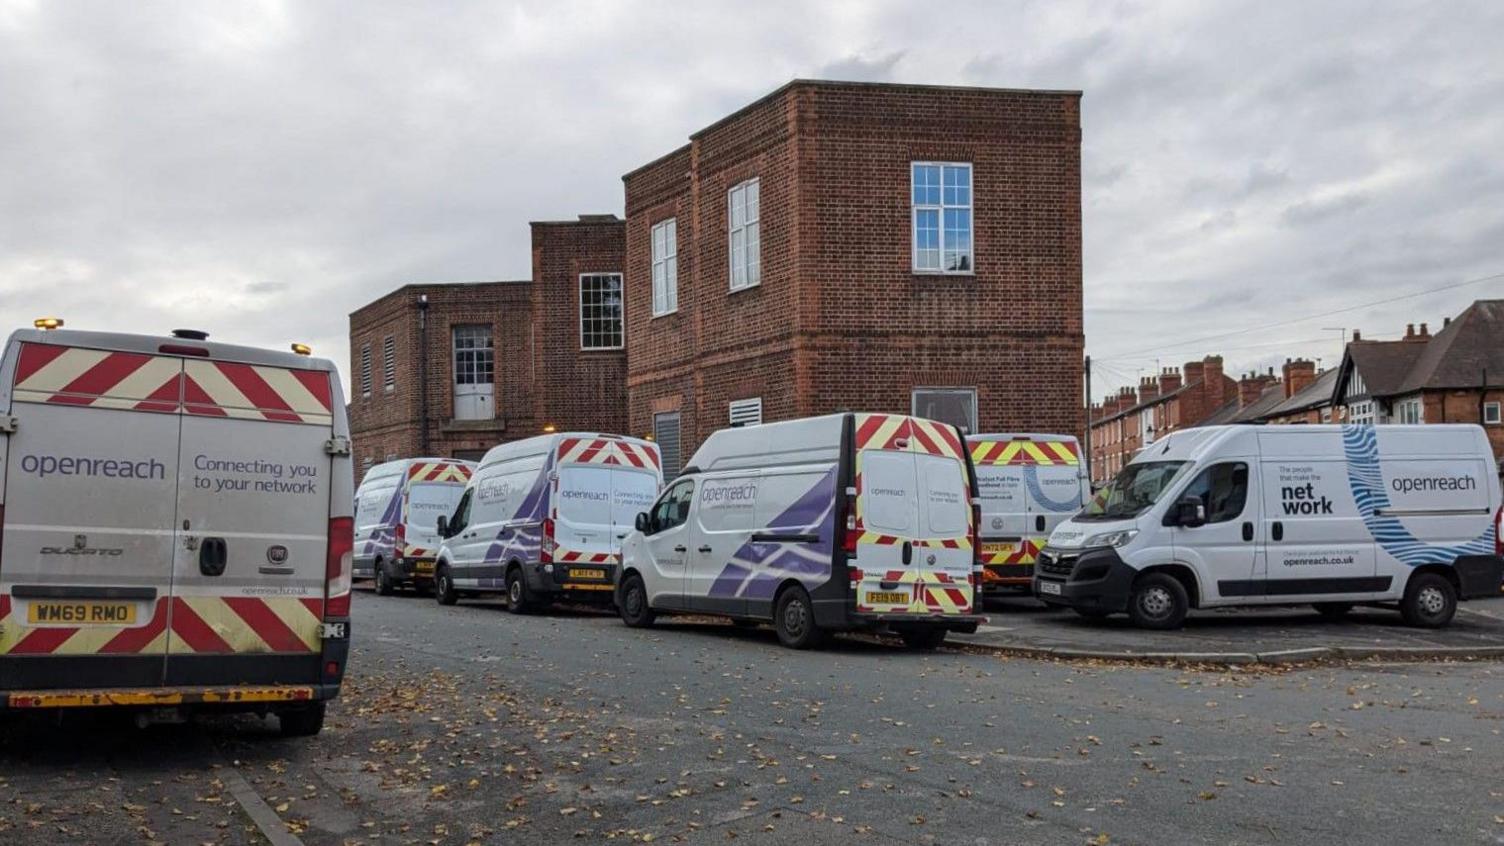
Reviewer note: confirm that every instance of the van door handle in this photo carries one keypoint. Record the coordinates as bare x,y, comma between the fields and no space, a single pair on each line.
1277,531
1247,531
213,555
706,549
1039,523
681,548
908,553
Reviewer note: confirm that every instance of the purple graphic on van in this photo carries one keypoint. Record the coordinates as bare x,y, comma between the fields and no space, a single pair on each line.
381,542
523,542
758,567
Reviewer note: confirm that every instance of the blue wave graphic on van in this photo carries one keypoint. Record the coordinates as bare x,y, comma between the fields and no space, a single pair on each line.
756,569
1365,477
1036,490
383,538
522,543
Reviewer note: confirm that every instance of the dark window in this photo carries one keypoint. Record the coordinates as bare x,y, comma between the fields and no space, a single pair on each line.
600,311
1222,489
673,509
461,514
389,362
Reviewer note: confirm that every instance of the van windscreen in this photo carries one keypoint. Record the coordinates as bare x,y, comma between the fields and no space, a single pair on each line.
1134,490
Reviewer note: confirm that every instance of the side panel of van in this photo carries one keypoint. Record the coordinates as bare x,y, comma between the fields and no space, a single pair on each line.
503,523
378,509
913,517
89,537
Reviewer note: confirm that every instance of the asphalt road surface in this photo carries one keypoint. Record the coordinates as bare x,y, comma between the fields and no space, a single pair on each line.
471,725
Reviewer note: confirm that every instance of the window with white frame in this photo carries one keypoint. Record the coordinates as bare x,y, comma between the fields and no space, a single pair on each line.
600,311
474,357
1409,411
1491,413
956,406
941,198
666,267
744,223
365,370
746,412
389,363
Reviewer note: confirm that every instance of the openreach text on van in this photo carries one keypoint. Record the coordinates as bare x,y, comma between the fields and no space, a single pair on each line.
43,466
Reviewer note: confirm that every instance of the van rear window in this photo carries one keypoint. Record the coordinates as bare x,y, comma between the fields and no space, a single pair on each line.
943,493
427,501
888,499
597,495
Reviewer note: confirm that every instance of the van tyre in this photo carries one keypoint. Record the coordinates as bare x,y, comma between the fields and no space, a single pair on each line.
519,598
924,639
632,604
443,588
1333,610
302,722
794,618
1430,601
384,586
1158,601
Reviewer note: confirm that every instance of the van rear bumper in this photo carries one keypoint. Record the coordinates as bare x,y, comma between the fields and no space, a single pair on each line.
228,697
944,621
561,581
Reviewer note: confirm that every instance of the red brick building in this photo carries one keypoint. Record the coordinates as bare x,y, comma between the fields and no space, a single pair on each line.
831,246
1177,398
885,247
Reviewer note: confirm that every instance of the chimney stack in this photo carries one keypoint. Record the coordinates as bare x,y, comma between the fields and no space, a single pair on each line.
1357,336
1298,374
1169,381
1211,373
1148,389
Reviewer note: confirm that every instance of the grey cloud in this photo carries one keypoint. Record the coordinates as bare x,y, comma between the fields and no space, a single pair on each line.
859,68
1307,212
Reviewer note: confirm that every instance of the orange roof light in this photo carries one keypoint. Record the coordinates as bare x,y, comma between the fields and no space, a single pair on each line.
302,349
48,323
550,429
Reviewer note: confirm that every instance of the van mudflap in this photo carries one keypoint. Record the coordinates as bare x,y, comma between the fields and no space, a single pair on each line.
1479,576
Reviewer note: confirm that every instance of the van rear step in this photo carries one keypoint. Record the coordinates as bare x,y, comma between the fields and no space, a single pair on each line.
156,697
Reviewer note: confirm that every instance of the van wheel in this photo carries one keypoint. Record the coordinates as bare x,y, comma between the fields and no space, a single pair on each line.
1333,610
519,598
302,722
926,638
443,588
794,618
1159,601
633,604
1430,601
384,585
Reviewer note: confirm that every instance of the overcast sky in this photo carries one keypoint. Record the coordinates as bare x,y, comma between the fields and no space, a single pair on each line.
259,170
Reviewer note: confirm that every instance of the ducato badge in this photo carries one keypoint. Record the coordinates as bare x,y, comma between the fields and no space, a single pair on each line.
276,554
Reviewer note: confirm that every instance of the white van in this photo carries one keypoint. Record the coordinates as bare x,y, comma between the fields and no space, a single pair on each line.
396,515
544,518
848,521
175,525
1330,515
1027,484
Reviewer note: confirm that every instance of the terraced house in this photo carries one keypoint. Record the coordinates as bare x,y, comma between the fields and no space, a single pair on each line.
895,248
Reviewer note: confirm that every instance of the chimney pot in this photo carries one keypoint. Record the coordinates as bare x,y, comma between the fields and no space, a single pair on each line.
1357,336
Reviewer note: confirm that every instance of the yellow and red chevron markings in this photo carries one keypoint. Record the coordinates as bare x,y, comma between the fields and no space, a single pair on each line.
906,434
1025,452
439,471
47,373
570,557
917,543
607,451
179,625
1025,551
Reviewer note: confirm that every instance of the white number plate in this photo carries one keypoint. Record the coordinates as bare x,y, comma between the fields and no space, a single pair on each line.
332,631
1050,588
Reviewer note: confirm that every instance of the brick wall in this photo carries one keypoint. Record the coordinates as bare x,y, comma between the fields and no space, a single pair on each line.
839,319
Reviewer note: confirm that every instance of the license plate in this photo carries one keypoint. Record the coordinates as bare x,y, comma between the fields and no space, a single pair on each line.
83,613
425,568
332,631
887,598
997,548
575,573
1052,588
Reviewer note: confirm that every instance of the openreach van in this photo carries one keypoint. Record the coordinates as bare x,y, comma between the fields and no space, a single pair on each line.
544,518
835,523
175,526
1331,516
396,516
1027,484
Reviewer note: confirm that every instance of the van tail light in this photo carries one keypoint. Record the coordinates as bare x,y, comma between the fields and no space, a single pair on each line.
976,535
854,574
1498,530
547,547
337,567
399,540
849,541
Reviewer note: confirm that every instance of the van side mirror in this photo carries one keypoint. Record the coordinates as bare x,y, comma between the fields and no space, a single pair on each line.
1190,512
644,522
443,526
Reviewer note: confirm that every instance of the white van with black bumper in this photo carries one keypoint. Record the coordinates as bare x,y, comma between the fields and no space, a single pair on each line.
1327,515
835,523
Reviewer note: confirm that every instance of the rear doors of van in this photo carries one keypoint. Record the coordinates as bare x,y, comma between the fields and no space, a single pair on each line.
434,489
603,483
911,529
165,512
1027,485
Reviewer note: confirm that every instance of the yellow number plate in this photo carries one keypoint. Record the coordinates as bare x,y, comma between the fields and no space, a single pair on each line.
425,568
997,548
575,573
887,598
82,613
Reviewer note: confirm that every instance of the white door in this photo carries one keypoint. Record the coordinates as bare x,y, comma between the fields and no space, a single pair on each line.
668,542
1224,548
474,373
